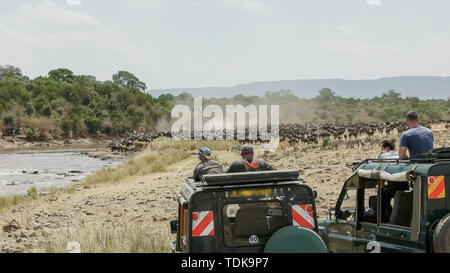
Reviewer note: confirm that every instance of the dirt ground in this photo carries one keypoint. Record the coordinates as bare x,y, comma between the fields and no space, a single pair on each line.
150,201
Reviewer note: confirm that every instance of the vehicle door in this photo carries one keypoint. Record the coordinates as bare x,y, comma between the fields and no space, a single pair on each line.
368,217
395,233
385,233
341,232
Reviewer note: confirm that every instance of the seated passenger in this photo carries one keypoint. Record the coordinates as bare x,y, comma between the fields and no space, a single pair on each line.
207,165
388,150
417,139
248,163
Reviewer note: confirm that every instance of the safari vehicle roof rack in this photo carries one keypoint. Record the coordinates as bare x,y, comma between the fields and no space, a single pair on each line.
439,153
434,156
250,178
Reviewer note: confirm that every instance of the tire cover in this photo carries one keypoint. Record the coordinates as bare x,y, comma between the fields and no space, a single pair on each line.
293,239
441,236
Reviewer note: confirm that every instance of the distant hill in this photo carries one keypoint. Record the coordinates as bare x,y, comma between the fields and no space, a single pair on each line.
424,87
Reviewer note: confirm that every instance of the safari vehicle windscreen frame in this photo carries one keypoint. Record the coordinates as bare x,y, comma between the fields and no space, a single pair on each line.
263,203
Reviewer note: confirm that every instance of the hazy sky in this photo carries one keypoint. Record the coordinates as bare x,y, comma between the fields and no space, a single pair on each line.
195,43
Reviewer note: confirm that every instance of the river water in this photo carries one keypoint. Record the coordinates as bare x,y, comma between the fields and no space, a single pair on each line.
22,170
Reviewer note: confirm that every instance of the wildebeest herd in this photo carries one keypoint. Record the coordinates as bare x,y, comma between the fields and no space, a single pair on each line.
129,144
351,135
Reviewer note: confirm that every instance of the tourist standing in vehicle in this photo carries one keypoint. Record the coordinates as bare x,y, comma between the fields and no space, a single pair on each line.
248,163
388,150
207,165
417,139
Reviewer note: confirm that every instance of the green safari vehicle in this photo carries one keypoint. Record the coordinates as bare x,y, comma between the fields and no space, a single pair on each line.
393,206
250,212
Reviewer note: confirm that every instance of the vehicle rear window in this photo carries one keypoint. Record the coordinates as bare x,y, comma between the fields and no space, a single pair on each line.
249,224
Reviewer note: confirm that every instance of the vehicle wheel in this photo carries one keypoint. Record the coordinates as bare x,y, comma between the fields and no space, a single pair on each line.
441,236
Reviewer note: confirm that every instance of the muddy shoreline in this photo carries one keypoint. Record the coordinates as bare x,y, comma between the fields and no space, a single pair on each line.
14,144
95,147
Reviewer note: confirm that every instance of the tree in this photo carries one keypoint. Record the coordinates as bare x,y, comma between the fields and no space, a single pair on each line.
10,71
128,80
93,125
61,74
391,95
166,99
8,121
326,95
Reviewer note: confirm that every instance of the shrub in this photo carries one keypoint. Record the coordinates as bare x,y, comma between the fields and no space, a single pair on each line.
47,111
93,125
325,142
31,135
8,121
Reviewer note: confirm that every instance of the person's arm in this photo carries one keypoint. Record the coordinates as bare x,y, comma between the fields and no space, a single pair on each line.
403,147
402,153
268,166
231,168
196,171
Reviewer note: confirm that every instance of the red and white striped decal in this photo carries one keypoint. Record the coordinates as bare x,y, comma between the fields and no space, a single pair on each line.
202,223
303,216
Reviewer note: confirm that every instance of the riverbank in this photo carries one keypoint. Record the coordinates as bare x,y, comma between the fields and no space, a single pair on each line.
95,147
17,143
124,209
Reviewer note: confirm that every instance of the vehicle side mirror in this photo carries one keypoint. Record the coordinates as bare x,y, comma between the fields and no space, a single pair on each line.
174,226
315,195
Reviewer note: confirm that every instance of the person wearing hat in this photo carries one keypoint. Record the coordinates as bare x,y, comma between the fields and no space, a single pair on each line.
248,163
207,165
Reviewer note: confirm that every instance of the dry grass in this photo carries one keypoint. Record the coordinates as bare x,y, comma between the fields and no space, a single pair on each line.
159,155
122,239
41,123
13,200
6,202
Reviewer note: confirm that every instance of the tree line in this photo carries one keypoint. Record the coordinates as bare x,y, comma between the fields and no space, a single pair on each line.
63,104
327,107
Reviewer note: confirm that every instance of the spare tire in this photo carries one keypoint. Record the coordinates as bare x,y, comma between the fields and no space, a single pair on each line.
294,239
441,236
